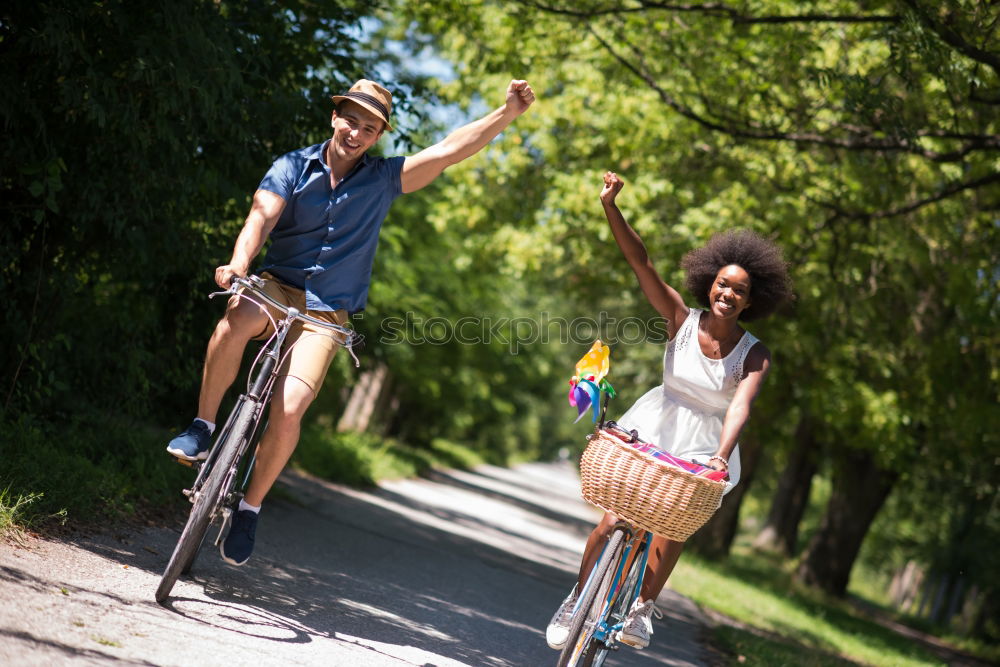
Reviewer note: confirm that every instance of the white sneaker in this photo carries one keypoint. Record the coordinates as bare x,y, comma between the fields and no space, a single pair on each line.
638,627
558,630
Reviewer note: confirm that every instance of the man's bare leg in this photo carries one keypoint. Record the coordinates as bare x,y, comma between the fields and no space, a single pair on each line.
243,320
288,405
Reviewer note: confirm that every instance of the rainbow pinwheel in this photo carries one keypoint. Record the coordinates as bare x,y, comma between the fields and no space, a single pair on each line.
586,386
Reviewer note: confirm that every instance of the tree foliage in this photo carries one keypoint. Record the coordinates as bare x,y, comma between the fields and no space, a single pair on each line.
862,136
134,137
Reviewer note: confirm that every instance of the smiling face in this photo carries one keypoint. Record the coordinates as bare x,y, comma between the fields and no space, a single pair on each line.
730,292
355,130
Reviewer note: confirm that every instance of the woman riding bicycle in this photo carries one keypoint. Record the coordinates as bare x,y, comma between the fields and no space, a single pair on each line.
712,372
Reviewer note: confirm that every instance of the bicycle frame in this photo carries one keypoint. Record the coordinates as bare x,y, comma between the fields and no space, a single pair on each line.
260,386
636,547
253,284
611,587
215,490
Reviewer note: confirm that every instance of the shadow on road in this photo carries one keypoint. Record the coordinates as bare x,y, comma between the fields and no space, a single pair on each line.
467,574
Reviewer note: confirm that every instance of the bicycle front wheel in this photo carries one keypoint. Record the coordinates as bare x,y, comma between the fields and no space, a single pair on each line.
590,610
207,498
597,652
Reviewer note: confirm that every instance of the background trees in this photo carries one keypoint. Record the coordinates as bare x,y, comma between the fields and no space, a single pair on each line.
132,137
863,137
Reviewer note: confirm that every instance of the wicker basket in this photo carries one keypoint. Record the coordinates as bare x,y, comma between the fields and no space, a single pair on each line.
645,491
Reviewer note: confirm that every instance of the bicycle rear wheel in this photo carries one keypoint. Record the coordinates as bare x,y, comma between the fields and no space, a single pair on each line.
588,614
208,498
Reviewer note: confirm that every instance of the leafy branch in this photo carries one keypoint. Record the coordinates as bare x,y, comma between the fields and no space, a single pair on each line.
944,193
859,140
950,35
715,9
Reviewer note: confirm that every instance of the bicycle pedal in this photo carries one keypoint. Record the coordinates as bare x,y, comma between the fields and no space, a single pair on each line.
184,462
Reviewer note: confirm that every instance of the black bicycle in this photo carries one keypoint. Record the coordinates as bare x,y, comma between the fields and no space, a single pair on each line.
223,477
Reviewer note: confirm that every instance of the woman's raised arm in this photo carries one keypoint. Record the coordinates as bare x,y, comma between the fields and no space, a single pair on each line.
662,296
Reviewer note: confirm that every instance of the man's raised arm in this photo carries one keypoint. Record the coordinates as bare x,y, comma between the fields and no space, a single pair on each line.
420,169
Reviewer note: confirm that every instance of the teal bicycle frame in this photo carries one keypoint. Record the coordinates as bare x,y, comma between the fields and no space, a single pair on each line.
620,591
612,586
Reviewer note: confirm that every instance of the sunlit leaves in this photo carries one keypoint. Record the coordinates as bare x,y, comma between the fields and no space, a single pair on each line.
842,140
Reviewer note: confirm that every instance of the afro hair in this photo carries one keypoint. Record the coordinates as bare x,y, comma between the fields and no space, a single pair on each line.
770,284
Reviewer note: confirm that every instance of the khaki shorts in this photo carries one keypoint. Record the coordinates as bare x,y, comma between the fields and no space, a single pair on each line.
308,349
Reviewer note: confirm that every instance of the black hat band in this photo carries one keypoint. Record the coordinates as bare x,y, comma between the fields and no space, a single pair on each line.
374,101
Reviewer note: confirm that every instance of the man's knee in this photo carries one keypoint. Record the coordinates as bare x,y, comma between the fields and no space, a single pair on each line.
243,319
292,397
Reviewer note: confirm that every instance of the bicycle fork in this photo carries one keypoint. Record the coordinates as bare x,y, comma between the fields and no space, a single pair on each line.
609,634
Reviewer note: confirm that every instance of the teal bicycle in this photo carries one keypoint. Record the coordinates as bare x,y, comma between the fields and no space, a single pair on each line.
607,596
620,475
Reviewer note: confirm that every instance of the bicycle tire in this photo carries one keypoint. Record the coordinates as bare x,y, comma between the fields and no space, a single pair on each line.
227,487
594,650
598,651
590,606
206,501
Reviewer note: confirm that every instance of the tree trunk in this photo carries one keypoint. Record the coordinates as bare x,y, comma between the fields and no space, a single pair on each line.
906,586
859,491
781,530
715,538
955,603
368,394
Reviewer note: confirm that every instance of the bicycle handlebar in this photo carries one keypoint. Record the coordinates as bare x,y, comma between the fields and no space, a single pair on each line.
632,435
254,284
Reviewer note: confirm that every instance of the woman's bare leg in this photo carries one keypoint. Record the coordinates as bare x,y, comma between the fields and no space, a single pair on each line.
663,556
594,544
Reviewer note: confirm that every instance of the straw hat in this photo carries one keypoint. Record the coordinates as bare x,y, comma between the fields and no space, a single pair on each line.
371,96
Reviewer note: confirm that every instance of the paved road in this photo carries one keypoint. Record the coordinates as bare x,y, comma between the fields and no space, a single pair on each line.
463,568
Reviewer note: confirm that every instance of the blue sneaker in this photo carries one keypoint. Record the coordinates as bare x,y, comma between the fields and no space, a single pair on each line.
238,545
193,443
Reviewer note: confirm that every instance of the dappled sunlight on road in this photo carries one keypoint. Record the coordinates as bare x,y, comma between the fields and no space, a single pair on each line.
530,521
462,568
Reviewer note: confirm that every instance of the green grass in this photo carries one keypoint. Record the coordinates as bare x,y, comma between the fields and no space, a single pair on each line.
83,471
778,623
363,459
17,517
755,649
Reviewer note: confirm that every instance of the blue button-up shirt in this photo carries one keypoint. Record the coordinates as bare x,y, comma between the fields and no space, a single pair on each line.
325,240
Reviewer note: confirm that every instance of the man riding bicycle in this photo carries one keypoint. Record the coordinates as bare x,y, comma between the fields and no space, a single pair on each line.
322,207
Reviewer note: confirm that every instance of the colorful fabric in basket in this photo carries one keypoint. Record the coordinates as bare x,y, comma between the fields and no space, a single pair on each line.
677,462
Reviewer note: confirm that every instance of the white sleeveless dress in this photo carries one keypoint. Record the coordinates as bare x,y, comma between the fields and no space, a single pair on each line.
684,415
